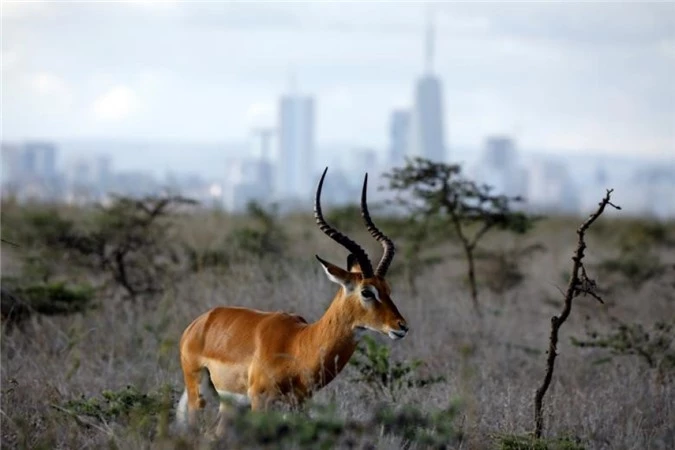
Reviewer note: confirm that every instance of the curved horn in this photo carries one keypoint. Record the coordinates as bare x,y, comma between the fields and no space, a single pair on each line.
353,247
387,244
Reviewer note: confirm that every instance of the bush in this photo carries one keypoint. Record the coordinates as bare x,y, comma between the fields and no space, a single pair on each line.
265,237
516,442
129,407
638,259
20,301
381,374
654,346
321,427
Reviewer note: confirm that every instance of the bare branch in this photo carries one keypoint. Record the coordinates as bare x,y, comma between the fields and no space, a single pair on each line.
578,284
9,242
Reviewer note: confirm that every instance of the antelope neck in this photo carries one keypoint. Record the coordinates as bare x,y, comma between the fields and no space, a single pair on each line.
331,338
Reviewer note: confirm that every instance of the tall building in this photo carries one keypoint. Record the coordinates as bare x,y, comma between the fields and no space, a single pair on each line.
12,166
265,137
29,160
500,152
296,146
40,159
550,186
399,134
427,133
499,166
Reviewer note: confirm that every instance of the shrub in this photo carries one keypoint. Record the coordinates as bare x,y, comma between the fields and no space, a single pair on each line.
516,442
654,346
265,237
21,300
128,406
381,374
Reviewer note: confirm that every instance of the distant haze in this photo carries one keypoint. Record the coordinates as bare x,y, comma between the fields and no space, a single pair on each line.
572,76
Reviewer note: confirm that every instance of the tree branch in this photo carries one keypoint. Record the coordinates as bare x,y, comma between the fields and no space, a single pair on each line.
577,284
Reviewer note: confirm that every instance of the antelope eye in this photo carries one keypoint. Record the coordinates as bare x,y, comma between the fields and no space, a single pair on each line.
367,293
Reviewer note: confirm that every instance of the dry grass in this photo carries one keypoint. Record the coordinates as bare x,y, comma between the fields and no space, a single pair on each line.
492,364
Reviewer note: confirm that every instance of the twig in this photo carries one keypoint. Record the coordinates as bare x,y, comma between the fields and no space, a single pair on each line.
577,285
83,421
9,242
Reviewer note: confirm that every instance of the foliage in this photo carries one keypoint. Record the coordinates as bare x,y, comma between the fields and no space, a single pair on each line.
199,259
418,243
503,270
127,240
316,427
381,374
653,346
264,238
20,300
345,218
127,406
529,442
469,209
38,232
638,259
427,430
321,430
637,267
320,427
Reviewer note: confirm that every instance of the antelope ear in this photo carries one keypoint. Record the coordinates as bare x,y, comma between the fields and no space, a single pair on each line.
336,274
353,264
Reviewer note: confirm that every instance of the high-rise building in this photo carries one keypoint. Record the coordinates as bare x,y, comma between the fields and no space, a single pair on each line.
500,167
29,160
12,167
427,138
500,152
550,186
399,133
40,159
296,145
266,176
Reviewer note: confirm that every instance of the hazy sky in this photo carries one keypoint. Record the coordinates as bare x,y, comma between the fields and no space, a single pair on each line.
556,75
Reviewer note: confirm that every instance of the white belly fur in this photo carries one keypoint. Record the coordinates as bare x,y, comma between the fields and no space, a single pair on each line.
238,399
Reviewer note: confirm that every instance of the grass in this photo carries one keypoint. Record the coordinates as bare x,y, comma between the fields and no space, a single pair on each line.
110,376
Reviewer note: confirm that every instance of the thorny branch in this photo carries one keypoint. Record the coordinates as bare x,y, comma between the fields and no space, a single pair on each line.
579,283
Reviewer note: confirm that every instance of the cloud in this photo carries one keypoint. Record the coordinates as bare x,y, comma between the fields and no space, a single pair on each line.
116,104
52,92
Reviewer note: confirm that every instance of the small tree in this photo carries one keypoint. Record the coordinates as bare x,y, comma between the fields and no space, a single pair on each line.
434,190
128,240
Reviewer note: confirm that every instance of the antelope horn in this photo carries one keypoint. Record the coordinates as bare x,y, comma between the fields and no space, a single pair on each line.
387,244
351,246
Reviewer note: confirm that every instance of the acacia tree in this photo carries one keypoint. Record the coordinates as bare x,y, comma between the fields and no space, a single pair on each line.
438,191
418,239
129,240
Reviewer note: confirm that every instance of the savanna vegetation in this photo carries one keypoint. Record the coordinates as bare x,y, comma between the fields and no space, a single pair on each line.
94,301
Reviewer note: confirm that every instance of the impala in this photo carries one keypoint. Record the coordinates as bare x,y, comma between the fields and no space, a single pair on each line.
256,357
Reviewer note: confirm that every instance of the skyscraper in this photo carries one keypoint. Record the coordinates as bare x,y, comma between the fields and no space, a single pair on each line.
399,133
499,166
427,134
296,145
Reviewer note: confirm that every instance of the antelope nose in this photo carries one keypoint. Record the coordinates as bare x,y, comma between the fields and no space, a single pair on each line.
403,326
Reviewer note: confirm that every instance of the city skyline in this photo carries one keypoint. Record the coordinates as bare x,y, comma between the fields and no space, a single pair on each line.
597,78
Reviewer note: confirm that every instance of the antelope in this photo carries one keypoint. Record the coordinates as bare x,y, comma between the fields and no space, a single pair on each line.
257,357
